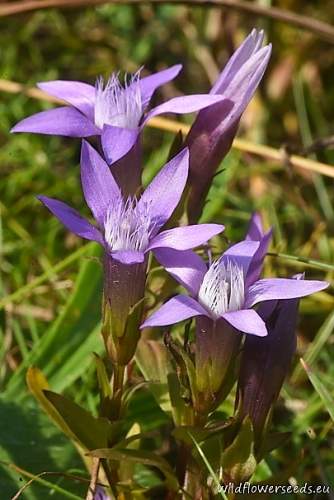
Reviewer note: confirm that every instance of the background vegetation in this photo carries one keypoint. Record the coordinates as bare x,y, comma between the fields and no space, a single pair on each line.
50,281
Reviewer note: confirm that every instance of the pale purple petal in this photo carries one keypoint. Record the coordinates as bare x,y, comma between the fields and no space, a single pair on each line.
164,192
128,256
186,267
247,321
72,220
175,310
79,94
245,82
242,253
185,237
184,104
255,230
282,288
150,83
256,265
65,121
98,184
117,142
243,53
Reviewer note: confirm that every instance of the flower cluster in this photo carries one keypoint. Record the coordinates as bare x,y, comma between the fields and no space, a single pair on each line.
226,296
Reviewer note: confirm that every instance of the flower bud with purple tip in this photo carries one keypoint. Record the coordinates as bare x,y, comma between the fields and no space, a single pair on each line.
265,362
215,127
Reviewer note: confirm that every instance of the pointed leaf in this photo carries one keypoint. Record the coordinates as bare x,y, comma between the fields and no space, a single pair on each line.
37,384
323,392
153,361
238,459
141,457
102,377
90,431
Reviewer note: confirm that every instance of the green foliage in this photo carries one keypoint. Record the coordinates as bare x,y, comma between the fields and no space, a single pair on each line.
238,459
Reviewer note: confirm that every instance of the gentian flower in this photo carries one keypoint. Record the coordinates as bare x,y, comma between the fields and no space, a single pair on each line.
257,391
215,127
218,345
129,228
221,299
111,110
223,291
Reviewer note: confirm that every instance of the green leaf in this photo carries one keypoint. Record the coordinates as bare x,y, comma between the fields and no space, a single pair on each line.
187,369
141,457
323,392
32,442
179,407
272,442
37,384
183,432
316,346
215,430
153,361
127,468
208,466
91,432
102,376
238,459
63,350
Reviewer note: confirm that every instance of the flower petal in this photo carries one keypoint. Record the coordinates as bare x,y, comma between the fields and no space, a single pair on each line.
186,267
184,104
150,83
256,233
79,94
247,321
175,310
282,288
117,142
164,192
72,220
66,121
244,83
98,184
255,230
243,53
128,256
185,237
256,265
242,253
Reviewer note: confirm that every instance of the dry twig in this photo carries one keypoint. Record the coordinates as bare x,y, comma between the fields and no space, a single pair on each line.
319,28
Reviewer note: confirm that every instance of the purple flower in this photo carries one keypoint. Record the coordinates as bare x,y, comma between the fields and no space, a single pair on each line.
223,290
111,110
128,228
100,494
257,391
214,129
